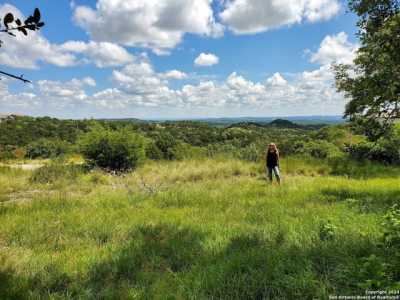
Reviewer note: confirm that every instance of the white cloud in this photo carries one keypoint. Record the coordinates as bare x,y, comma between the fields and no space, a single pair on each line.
253,16
26,51
66,91
175,74
276,80
206,60
336,48
101,54
159,25
138,90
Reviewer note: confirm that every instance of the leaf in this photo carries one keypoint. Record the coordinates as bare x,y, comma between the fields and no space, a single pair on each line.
30,27
18,21
36,15
29,20
12,34
40,24
9,18
23,30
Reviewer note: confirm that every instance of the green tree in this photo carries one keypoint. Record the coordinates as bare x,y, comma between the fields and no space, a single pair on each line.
372,84
119,150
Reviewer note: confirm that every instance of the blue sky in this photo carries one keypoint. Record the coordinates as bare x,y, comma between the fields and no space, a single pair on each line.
178,58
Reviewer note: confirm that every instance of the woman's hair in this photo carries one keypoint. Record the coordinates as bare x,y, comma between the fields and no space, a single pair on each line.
274,147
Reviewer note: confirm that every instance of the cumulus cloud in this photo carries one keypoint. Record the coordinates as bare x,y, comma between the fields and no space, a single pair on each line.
73,89
159,25
277,80
175,74
137,89
335,48
206,60
26,51
102,54
253,16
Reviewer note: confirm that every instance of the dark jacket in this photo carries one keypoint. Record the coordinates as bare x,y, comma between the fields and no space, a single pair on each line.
272,159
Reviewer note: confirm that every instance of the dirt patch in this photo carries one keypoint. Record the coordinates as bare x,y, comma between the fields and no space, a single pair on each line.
25,167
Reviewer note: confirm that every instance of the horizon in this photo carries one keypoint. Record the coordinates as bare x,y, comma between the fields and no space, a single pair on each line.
102,59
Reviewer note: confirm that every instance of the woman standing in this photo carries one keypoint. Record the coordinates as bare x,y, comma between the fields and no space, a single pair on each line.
272,159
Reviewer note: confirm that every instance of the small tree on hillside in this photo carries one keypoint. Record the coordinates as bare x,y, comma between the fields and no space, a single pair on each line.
372,84
12,25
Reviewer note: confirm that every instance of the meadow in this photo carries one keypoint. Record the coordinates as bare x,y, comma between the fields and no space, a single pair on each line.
198,229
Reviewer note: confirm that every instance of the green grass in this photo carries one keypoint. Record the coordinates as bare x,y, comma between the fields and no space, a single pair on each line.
203,229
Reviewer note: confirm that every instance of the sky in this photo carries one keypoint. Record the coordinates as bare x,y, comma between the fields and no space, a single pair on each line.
172,59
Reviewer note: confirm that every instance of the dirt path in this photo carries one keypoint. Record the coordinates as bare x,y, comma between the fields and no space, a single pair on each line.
26,167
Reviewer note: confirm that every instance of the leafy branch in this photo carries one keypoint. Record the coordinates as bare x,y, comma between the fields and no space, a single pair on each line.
13,24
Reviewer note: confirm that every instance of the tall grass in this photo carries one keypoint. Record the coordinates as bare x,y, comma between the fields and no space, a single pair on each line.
201,229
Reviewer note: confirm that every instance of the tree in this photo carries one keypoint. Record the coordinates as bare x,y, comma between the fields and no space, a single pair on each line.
372,84
12,24
119,150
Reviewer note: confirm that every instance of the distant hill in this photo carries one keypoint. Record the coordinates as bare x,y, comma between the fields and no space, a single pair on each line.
278,123
301,120
281,123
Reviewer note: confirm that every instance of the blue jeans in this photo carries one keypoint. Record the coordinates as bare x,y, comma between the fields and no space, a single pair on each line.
274,170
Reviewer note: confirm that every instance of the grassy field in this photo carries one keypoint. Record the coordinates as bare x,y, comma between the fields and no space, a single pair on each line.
206,229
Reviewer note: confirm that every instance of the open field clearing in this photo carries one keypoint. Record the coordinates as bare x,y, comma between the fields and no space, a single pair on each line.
199,229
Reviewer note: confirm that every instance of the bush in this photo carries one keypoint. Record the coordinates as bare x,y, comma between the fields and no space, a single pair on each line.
251,153
46,148
7,152
384,151
51,173
166,144
319,149
119,150
153,152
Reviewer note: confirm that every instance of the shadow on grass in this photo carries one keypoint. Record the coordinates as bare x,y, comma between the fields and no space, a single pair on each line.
11,286
170,262
49,281
372,200
362,169
151,253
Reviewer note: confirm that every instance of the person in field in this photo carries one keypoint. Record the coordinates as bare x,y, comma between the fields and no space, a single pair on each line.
272,159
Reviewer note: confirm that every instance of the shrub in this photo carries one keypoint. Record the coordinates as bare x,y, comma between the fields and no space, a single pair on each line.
327,231
321,149
7,152
251,153
384,151
119,150
46,148
153,152
51,173
166,144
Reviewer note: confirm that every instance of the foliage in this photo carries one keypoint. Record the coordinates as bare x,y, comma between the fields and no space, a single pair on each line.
119,150
178,140
327,231
46,148
386,149
372,84
164,144
391,226
21,131
53,172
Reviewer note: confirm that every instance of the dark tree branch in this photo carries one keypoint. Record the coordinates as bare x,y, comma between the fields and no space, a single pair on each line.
15,77
32,23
